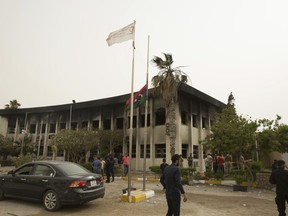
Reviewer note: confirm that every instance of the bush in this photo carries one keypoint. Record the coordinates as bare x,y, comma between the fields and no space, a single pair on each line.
22,160
87,165
219,175
155,169
185,172
257,166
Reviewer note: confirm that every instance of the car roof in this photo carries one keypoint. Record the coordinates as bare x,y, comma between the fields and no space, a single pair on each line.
52,162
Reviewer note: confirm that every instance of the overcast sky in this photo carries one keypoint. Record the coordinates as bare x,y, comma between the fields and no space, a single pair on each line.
55,51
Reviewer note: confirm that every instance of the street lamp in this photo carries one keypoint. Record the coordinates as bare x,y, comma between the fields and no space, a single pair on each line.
70,119
24,133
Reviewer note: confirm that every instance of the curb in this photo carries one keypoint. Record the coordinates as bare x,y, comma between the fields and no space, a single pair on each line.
137,196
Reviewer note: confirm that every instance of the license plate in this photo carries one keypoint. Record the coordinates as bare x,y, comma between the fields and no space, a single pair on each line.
93,183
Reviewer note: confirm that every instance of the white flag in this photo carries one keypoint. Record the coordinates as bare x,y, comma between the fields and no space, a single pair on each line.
121,35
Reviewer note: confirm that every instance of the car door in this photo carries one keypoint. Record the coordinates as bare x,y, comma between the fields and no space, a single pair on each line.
14,184
38,181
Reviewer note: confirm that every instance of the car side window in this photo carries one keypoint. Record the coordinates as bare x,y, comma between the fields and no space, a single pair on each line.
43,170
26,170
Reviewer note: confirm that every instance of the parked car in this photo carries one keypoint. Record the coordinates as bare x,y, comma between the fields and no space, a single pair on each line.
53,183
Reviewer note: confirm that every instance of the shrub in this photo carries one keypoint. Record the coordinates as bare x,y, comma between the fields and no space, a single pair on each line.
257,166
22,160
87,165
219,175
155,169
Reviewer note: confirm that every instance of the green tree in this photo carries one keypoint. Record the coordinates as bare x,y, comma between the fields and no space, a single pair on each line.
75,143
13,104
267,136
6,147
231,133
166,84
109,140
282,135
273,136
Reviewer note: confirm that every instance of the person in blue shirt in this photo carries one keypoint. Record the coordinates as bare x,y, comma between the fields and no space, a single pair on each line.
96,165
174,188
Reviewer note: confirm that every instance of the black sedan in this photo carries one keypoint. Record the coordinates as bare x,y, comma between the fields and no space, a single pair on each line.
54,183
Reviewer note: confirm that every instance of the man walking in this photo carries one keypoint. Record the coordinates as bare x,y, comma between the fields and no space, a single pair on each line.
174,188
280,178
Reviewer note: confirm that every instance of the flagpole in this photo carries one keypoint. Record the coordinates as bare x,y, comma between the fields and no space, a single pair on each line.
131,123
146,114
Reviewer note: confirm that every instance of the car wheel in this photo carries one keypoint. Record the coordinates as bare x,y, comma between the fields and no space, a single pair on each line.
1,194
51,201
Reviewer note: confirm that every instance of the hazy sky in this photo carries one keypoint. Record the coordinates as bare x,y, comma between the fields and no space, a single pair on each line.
55,51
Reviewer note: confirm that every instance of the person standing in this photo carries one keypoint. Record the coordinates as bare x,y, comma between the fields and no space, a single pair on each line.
228,163
125,161
215,165
174,188
162,167
280,178
112,167
208,162
220,163
190,161
102,166
96,165
107,168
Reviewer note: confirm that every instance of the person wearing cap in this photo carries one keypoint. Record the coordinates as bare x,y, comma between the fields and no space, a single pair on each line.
174,188
280,178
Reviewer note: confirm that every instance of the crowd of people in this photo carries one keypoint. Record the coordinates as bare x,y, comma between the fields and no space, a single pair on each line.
224,164
106,166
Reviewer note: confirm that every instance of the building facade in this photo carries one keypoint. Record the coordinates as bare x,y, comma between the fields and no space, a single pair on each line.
195,114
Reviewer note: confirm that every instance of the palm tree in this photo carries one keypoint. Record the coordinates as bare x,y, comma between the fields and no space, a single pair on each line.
13,105
166,84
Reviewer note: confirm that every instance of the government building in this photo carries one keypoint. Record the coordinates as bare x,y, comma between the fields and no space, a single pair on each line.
195,114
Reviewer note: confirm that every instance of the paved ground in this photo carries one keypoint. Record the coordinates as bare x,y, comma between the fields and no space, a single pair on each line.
203,200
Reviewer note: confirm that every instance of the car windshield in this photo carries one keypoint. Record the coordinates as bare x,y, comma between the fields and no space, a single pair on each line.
72,169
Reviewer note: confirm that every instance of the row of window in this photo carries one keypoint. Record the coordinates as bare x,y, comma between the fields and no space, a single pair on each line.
160,151
160,119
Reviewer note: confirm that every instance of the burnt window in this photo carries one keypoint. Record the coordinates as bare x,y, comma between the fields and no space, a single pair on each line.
184,118
11,125
62,126
119,123
133,151
160,117
73,125
204,123
194,120
142,120
52,128
134,122
84,124
43,128
184,150
95,124
106,124
32,128
195,151
147,151
160,150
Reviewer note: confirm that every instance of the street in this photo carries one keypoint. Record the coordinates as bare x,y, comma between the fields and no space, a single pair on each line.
203,200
